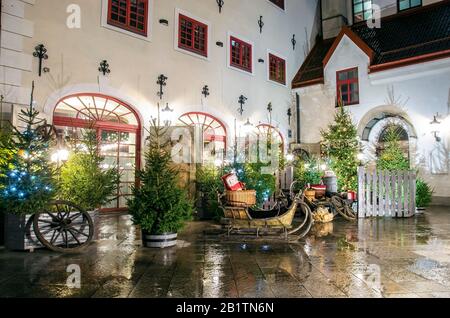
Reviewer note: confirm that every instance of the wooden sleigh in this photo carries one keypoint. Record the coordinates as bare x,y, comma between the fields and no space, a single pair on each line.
242,219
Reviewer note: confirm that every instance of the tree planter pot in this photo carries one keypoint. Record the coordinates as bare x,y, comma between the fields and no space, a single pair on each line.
159,241
19,234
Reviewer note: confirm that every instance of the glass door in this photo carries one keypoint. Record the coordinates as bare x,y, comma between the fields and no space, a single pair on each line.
119,150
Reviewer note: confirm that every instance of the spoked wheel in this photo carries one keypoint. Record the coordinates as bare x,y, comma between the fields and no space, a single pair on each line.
47,132
64,227
343,209
301,230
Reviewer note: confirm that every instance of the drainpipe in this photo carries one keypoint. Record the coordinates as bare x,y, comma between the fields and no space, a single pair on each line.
298,117
321,19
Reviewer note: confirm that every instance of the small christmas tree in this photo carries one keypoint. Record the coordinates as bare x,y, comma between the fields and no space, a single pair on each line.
159,205
28,184
83,181
392,158
340,145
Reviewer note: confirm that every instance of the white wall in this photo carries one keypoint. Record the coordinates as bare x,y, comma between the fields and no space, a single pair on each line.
75,54
15,61
419,92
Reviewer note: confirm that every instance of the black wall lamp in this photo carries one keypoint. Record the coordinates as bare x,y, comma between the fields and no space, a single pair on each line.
205,91
436,123
241,101
164,22
261,60
104,67
260,23
220,44
220,3
162,81
294,42
41,53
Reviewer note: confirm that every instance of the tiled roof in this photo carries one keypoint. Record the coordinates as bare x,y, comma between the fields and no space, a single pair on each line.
312,68
405,35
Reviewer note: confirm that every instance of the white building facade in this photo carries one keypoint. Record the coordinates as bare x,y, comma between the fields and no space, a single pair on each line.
210,56
396,73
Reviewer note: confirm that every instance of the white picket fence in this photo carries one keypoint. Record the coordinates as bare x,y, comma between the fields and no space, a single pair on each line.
386,193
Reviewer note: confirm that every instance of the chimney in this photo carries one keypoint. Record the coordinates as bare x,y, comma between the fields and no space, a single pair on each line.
334,17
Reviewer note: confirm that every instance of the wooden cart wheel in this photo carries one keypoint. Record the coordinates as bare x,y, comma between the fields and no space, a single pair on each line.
64,227
343,208
47,132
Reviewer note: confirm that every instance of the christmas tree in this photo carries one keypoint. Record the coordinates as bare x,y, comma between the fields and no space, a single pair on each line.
159,205
392,158
28,183
340,145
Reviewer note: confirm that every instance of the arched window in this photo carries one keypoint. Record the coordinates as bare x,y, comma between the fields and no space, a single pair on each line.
271,132
118,130
214,131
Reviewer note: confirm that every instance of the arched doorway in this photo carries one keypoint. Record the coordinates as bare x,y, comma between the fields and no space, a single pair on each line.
373,130
214,132
118,130
400,134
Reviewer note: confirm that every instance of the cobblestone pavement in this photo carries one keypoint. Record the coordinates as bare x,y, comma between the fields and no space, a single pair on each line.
371,258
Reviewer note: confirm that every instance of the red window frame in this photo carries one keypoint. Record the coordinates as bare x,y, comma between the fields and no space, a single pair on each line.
277,69
128,16
347,82
279,3
237,56
191,37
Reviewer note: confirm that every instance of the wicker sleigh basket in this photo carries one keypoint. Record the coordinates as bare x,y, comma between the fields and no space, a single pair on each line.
244,198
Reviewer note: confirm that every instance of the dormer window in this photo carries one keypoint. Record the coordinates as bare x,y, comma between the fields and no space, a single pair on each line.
347,84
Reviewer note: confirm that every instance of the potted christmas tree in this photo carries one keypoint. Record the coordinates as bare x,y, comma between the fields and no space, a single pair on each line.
83,181
159,205
340,144
27,181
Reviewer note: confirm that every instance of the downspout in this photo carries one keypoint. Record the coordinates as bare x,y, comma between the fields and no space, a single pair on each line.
321,19
298,117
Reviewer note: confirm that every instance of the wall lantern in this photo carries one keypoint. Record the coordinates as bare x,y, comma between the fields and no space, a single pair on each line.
166,115
41,53
248,127
220,3
435,124
60,156
164,22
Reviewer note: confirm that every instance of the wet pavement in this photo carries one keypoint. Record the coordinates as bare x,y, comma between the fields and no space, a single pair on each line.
371,258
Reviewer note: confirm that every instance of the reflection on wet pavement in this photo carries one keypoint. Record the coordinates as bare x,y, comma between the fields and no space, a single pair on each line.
374,258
